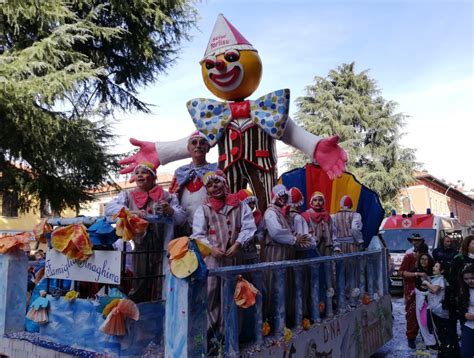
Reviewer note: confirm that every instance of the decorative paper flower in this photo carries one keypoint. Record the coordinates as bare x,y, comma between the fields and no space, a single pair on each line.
287,334
108,307
355,292
322,306
330,292
71,296
73,241
306,324
265,329
245,293
39,309
114,324
129,225
204,248
14,242
41,229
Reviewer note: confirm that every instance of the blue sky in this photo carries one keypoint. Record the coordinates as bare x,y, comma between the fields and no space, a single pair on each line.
419,52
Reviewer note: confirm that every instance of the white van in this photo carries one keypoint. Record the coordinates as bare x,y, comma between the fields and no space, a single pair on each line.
395,230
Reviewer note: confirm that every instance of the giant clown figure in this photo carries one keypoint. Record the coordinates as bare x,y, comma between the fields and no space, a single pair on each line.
244,131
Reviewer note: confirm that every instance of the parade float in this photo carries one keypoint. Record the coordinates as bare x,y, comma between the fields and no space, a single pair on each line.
80,307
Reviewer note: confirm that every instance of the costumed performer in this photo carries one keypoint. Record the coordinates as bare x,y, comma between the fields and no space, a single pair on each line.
299,226
321,228
348,230
142,201
226,224
279,245
187,181
250,251
244,131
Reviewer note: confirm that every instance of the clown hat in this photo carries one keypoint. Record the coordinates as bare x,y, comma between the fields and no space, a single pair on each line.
218,174
295,197
246,196
346,202
317,194
147,166
224,37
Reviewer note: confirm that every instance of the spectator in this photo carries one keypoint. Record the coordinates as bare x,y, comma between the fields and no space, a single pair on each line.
466,256
445,254
467,310
446,337
406,272
423,269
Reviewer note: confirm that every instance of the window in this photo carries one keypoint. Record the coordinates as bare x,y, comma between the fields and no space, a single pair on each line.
10,204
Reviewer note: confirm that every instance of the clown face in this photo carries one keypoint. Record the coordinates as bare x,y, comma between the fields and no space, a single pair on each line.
233,75
216,188
317,203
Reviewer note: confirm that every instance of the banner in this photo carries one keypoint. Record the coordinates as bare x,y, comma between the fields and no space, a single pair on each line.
102,266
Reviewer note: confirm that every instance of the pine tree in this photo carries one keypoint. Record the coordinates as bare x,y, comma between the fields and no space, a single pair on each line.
349,104
65,67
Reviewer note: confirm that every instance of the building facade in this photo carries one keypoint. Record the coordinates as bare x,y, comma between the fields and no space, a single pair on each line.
440,197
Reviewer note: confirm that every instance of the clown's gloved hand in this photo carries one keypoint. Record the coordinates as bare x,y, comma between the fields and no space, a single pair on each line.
146,153
330,156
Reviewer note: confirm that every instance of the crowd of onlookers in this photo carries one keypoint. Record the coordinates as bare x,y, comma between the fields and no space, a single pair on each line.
439,293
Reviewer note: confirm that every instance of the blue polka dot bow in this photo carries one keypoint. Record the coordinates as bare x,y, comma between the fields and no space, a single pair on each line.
269,112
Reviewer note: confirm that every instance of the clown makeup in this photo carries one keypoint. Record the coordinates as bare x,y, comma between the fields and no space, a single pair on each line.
281,200
215,188
468,279
252,205
144,178
317,203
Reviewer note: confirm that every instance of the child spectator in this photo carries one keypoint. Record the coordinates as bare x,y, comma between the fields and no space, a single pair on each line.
446,337
423,269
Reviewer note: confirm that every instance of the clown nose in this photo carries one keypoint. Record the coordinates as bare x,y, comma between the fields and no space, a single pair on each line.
220,65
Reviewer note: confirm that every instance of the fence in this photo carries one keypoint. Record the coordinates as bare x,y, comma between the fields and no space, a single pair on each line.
191,297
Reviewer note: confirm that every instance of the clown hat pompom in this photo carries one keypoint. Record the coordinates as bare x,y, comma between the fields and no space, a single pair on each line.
346,202
295,197
246,196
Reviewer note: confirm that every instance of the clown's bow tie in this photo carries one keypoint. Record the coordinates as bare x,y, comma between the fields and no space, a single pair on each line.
269,112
